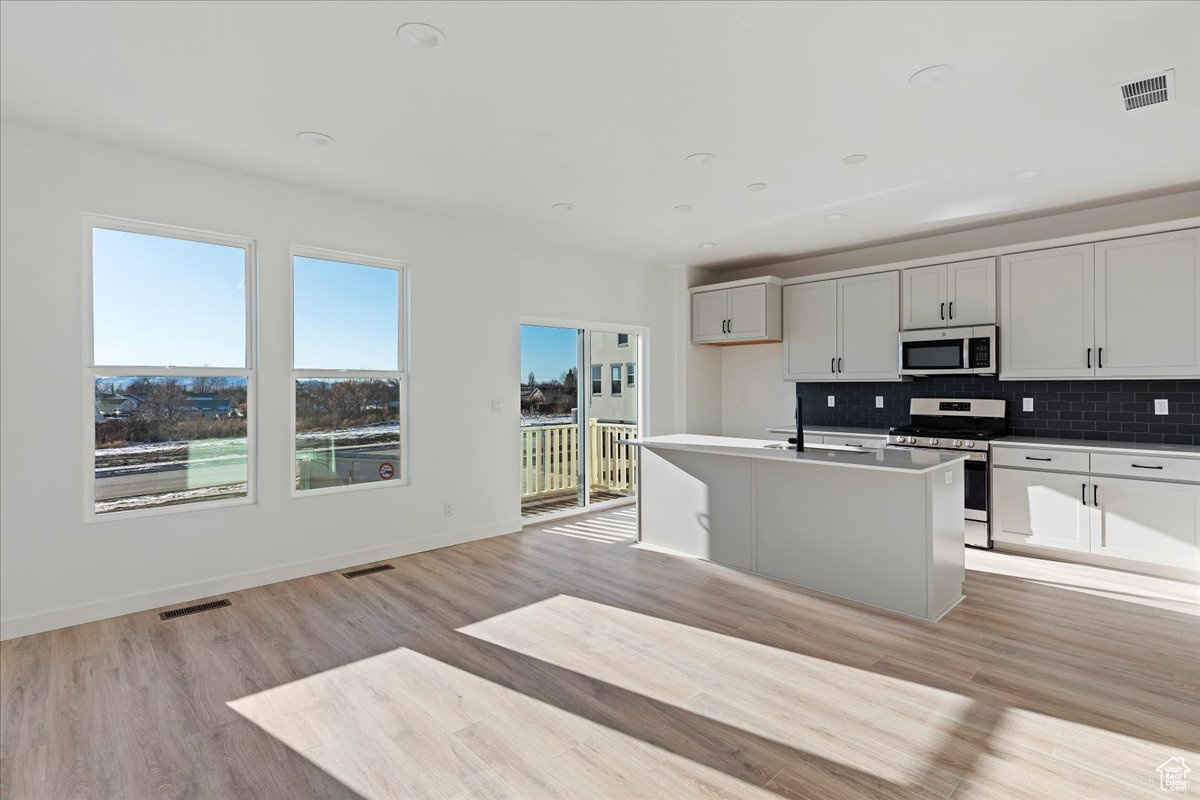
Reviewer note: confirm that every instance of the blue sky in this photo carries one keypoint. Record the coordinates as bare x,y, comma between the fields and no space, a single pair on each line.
548,352
161,301
347,315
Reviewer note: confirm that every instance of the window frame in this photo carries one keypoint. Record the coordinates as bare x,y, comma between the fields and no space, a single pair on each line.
401,372
616,380
91,370
597,381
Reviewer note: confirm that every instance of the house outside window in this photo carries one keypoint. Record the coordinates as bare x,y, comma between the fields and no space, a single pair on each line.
629,372
597,380
615,375
622,340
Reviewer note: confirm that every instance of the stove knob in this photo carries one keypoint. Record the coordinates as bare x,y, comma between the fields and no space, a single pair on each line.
958,442
971,444
933,441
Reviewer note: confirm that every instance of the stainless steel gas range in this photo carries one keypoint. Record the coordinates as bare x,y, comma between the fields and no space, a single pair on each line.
965,426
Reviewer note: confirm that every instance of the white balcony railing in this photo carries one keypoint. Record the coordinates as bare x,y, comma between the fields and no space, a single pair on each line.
550,456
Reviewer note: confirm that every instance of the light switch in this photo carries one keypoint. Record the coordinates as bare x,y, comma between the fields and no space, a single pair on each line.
497,406
1160,406
1027,404
829,401
879,401
949,477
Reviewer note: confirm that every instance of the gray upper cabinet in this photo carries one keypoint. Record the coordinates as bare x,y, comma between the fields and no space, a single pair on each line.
842,329
739,314
949,295
1148,306
1046,313
1118,309
810,331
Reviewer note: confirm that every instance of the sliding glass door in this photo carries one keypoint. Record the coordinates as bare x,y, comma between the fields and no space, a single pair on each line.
579,398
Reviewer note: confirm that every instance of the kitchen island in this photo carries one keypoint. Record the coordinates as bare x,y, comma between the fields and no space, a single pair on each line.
879,526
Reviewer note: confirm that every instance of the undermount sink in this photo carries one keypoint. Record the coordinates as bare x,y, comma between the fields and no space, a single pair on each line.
832,448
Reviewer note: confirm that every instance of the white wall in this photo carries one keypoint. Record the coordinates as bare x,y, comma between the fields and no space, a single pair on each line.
749,381
470,285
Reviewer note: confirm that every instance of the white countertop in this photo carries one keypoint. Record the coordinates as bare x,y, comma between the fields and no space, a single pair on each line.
1090,444
892,460
790,430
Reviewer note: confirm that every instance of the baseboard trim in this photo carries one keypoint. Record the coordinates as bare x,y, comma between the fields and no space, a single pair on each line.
40,622
1095,560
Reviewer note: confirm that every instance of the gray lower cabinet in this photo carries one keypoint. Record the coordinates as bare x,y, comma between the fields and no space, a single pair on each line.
1148,521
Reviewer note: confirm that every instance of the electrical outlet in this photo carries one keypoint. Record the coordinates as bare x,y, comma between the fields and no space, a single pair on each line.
829,401
1160,406
497,405
879,401
1027,404
445,509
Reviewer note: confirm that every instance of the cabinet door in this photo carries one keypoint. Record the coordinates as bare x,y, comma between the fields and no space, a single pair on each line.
971,292
1148,305
748,312
709,312
1046,509
869,327
1148,521
1046,307
810,331
923,298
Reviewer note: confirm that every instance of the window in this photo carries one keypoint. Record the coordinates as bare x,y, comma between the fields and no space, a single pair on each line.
169,371
597,380
622,340
615,373
629,368
347,371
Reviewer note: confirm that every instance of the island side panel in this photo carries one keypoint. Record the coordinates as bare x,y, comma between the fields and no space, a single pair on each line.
947,535
855,533
697,504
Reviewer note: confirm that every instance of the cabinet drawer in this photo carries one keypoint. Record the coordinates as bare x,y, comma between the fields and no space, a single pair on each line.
1152,467
856,441
1035,458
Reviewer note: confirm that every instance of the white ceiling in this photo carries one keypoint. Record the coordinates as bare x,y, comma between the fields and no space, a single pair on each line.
597,103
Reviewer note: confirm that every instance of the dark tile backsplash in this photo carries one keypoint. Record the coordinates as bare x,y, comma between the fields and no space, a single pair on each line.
1120,411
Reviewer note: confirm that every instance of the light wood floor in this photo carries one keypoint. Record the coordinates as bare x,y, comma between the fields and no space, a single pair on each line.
564,663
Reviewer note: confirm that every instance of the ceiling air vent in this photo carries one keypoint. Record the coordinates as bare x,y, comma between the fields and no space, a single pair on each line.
1148,91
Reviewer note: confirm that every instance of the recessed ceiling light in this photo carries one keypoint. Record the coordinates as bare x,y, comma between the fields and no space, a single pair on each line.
835,216
683,207
857,158
932,76
700,159
420,35
315,138
563,206
1026,173
707,245
756,187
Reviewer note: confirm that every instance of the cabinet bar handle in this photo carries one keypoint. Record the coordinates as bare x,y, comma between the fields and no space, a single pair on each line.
1083,493
943,312
1146,466
839,363
832,361
951,309
1035,458
1095,495
1100,358
1089,366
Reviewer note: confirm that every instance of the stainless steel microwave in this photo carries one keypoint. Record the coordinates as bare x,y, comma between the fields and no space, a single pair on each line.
949,351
